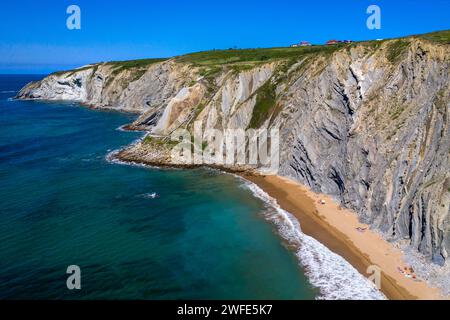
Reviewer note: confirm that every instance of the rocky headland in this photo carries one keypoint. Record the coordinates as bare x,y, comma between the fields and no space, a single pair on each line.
365,123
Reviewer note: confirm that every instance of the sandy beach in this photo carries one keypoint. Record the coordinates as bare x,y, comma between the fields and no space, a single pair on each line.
339,229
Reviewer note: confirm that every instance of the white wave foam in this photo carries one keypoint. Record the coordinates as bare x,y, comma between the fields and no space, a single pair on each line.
330,273
333,275
152,195
111,157
122,128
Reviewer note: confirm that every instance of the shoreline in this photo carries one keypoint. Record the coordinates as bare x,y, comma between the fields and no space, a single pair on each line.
335,228
328,223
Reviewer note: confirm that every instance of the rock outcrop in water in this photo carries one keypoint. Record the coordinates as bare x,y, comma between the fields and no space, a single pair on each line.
366,123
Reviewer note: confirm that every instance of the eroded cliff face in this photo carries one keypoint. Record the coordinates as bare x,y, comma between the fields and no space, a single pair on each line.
366,123
112,86
373,132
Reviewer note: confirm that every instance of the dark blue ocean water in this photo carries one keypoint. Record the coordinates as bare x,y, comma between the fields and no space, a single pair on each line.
62,203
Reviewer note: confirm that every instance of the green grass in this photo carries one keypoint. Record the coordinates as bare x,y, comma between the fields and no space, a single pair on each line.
398,46
249,57
241,67
160,142
204,144
224,57
396,49
149,140
138,67
137,74
131,64
438,36
200,107
396,112
265,104
211,71
370,46
241,59
441,101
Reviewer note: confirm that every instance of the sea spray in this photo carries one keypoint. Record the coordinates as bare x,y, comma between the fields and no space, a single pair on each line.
333,275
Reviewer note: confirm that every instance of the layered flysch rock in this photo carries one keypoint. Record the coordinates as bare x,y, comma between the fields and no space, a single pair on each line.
366,123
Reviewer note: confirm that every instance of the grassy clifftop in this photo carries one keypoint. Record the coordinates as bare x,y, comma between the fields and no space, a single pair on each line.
241,58
221,57
438,36
232,56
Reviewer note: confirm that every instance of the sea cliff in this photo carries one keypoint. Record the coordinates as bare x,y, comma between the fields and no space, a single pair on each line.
366,123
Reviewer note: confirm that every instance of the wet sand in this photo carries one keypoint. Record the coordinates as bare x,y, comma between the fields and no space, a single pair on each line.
336,228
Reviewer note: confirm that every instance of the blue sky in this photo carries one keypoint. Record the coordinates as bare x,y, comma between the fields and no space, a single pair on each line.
34,37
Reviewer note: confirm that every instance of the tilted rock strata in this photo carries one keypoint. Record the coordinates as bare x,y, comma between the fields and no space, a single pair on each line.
365,124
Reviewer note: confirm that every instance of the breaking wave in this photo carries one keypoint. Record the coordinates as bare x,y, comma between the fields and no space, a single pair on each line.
151,195
112,158
330,273
123,128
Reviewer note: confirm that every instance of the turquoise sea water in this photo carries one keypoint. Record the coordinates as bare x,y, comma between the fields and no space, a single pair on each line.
136,233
